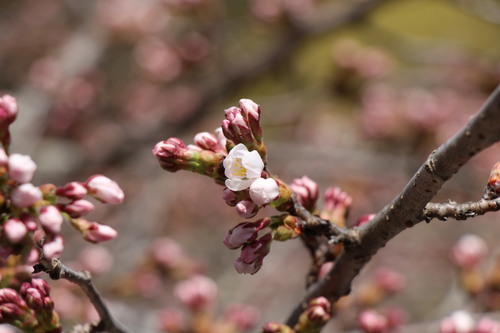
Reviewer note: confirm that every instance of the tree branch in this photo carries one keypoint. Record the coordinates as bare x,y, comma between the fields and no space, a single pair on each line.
463,211
407,208
57,270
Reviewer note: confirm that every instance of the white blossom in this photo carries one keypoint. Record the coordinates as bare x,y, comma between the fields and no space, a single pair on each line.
242,167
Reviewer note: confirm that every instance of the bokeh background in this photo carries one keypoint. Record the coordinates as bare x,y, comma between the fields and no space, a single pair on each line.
353,93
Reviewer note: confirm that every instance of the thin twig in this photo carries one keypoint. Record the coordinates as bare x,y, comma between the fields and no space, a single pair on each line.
57,270
463,211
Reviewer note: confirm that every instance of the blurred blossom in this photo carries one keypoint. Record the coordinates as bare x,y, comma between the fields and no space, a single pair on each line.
147,283
457,322
363,219
372,322
46,74
7,329
197,293
325,268
21,168
167,252
378,111
25,195
469,251
389,280
96,259
15,230
8,110
487,325
51,219
105,189
171,320
194,47
157,59
243,317
54,248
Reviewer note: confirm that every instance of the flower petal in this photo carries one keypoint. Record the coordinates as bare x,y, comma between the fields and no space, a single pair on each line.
238,184
264,191
253,163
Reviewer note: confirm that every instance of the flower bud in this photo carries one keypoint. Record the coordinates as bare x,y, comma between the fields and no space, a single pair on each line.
389,281
51,219
372,322
246,209
244,233
105,189
264,191
25,195
315,316
208,141
8,109
54,248
78,208
307,192
230,197
363,219
492,190
276,328
252,255
457,322
252,113
469,251
196,293
166,252
97,233
21,168
171,320
15,230
72,190
243,317
336,207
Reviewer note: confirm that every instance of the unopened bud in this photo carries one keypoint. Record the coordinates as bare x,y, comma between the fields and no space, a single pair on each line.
54,248
276,328
372,322
247,208
105,189
337,205
51,219
72,190
15,230
469,251
264,191
21,168
25,195
492,190
97,233
307,192
196,293
208,141
244,233
78,208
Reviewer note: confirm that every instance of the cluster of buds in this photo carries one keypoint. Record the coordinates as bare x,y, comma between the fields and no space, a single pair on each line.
204,157
253,248
316,315
30,213
30,309
336,206
8,113
385,282
307,192
462,322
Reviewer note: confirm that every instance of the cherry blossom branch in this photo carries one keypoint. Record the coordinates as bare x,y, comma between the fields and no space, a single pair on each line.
57,270
463,211
406,209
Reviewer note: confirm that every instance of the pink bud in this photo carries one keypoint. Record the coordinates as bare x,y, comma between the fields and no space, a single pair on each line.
25,195
389,280
41,285
487,325
264,191
469,251
4,159
96,259
105,189
15,230
337,205
208,141
372,322
243,316
252,112
54,248
78,208
257,249
306,190
457,322
246,209
51,219
230,197
247,268
171,320
21,168
196,293
166,252
244,233
8,109
72,190
99,233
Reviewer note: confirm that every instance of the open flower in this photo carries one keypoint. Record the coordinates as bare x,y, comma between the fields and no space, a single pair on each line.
242,167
